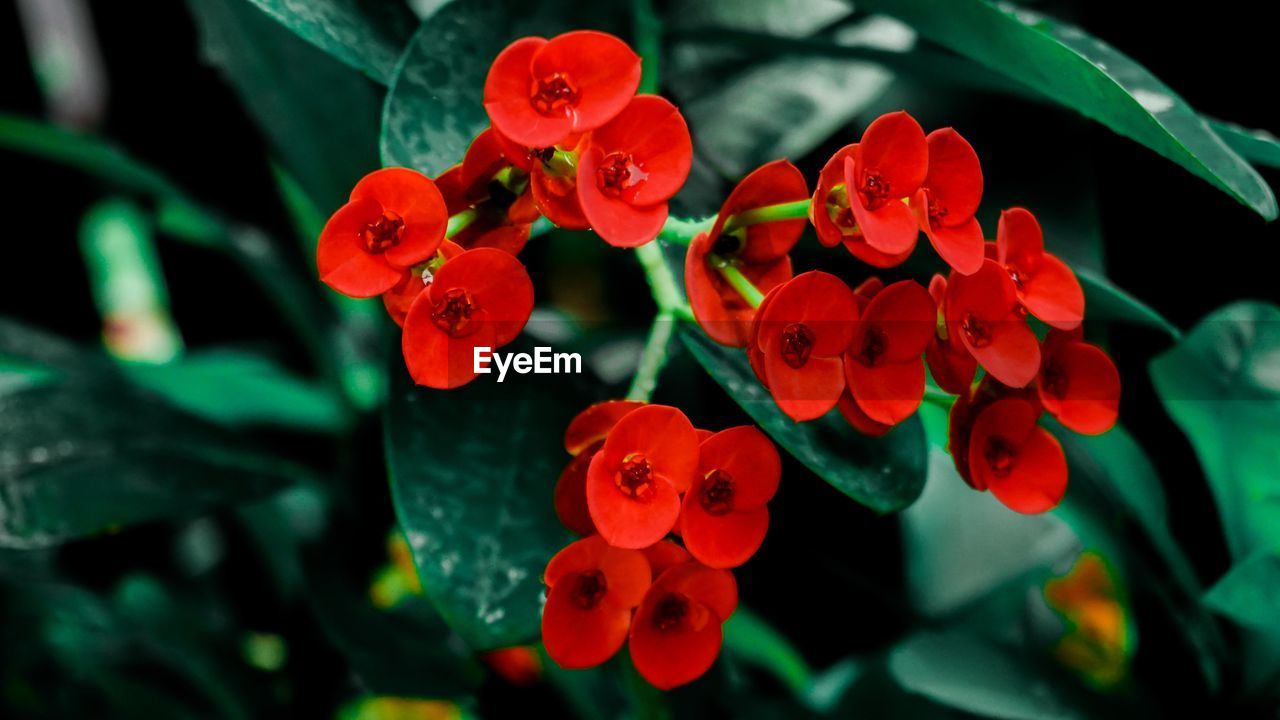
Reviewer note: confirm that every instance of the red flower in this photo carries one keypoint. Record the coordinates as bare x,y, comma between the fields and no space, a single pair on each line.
759,251
968,406
883,365
858,419
724,516
949,362
804,327
394,220
630,168
583,439
481,298
1045,286
634,482
518,665
888,166
400,298
677,631
1016,459
592,588
504,209
1079,384
981,309
556,197
946,202
833,219
540,91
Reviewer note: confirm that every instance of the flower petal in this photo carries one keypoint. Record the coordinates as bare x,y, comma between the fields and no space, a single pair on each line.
722,541
1080,386
749,458
603,68
887,393
343,261
1053,294
624,521
507,101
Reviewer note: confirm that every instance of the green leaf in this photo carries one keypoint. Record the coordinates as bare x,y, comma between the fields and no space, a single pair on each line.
885,474
472,472
1250,591
963,671
1257,146
1081,72
749,639
77,459
365,34
1107,302
1221,385
235,388
436,103
320,117
783,107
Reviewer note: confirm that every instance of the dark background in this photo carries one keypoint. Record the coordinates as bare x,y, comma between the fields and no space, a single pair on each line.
1170,239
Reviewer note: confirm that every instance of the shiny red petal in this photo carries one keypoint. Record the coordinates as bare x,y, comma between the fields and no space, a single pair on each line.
673,658
988,295
951,366
627,572
653,132
721,312
859,248
664,555
714,589
1080,386
342,259
749,458
571,495
819,300
804,393
890,228
506,98
624,521
894,147
1034,478
832,174
664,436
557,198
955,176
594,423
484,158
1053,294
616,221
1012,354
770,184
858,419
960,246
603,68
1019,240
577,638
902,318
415,198
887,393
722,541
432,357
499,285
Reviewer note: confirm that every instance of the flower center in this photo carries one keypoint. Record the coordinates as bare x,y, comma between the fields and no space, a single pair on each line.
453,313
875,190
1001,456
635,477
589,589
797,344
839,211
670,612
384,234
717,492
619,173
727,245
1019,277
976,331
874,344
553,95
1054,381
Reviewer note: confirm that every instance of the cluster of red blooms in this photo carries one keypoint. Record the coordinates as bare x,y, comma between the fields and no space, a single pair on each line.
569,140
639,474
818,344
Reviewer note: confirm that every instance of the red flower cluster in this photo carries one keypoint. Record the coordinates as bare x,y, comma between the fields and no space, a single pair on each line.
639,474
571,141
598,155
816,344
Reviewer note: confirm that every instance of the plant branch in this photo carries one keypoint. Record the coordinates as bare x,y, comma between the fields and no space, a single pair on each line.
654,357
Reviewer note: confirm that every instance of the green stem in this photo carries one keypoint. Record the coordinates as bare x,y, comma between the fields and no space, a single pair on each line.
653,358
662,283
459,222
797,210
737,280
682,232
563,163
